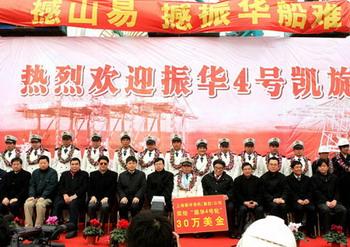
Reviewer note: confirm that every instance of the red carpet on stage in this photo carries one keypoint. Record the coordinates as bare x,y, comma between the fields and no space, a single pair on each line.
189,241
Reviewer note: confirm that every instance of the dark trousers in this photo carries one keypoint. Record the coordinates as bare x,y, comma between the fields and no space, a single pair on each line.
230,215
134,208
279,210
309,210
13,208
104,210
74,208
242,215
326,213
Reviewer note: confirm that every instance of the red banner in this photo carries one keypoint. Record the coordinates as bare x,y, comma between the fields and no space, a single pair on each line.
181,17
200,214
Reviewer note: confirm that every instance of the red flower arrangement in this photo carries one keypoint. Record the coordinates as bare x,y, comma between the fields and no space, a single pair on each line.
118,235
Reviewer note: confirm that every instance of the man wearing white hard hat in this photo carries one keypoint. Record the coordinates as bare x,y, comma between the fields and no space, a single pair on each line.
64,153
9,153
121,154
298,150
202,160
149,155
93,153
274,144
231,168
251,156
175,154
323,153
32,155
268,232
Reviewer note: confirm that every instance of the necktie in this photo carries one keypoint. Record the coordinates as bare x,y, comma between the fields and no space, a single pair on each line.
202,159
225,154
249,156
65,150
299,178
187,175
299,159
177,154
124,153
149,153
35,152
10,154
217,177
94,151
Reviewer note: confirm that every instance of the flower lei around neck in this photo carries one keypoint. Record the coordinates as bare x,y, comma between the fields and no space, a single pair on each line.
172,157
90,159
306,168
231,163
255,158
342,163
8,163
36,161
149,163
192,183
279,157
70,154
120,156
207,166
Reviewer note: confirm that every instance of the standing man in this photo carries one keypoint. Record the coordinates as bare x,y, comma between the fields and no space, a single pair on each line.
93,153
42,189
102,190
65,153
72,189
298,149
249,196
149,155
274,144
123,153
252,157
275,190
31,158
174,156
160,183
131,189
230,159
202,160
14,190
300,197
9,153
219,183
186,182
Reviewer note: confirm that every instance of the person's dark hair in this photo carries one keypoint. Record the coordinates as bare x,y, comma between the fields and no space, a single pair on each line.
273,158
220,162
103,157
159,159
44,157
75,159
17,159
246,164
321,161
149,230
130,158
294,163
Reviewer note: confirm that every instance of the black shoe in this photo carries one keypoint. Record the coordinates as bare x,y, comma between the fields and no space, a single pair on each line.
236,236
71,234
56,233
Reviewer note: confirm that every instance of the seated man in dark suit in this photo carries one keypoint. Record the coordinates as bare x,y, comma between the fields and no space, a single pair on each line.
219,183
249,196
326,193
275,189
131,189
14,189
300,197
72,189
102,190
160,183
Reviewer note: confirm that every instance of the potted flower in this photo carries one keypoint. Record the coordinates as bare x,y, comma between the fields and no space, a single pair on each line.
335,236
16,222
52,221
118,235
93,231
299,235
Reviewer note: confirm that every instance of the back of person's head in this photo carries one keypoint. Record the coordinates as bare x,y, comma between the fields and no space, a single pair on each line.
149,230
268,232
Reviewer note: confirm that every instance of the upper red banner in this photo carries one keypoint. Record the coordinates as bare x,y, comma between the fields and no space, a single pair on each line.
181,17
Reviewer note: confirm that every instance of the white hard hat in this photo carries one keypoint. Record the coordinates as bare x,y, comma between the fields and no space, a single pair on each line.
343,142
323,149
268,232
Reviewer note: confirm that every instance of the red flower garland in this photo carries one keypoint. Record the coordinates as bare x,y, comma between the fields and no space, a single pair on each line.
8,163
207,166
306,168
70,154
90,159
342,163
172,157
120,156
255,158
192,183
279,157
36,161
231,164
150,163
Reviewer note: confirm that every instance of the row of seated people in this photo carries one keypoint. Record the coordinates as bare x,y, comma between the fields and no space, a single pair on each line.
202,159
273,193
